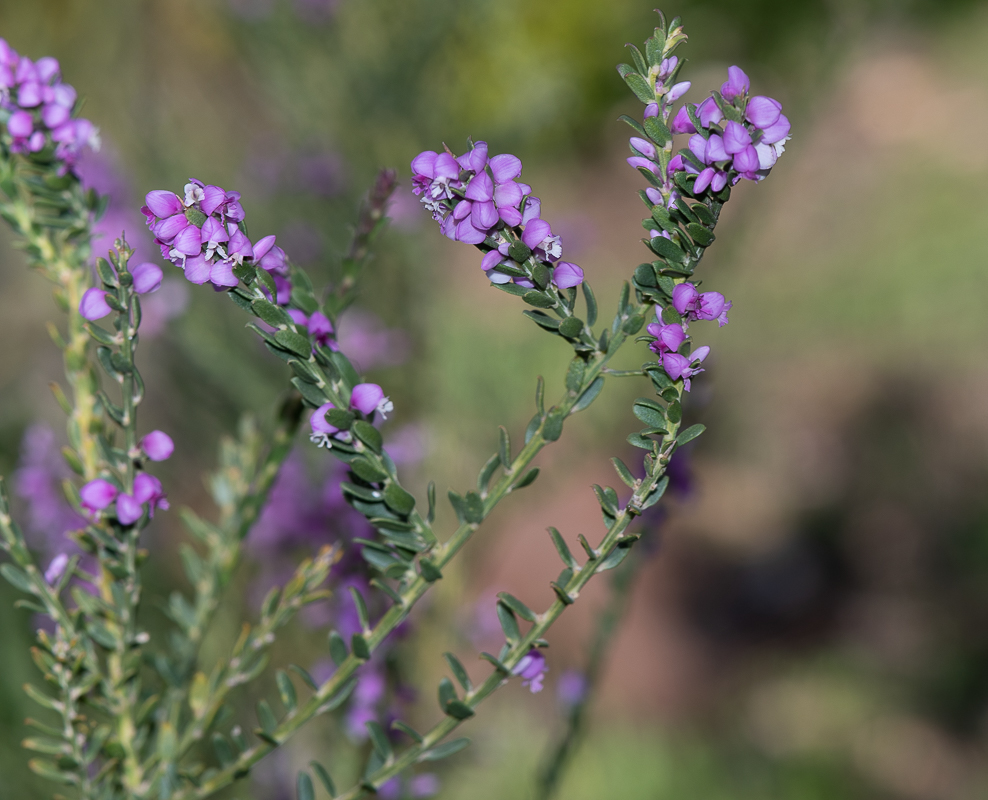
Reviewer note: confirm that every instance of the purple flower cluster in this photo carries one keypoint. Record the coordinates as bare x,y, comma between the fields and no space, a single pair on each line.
691,305
739,137
476,199
97,495
367,398
37,108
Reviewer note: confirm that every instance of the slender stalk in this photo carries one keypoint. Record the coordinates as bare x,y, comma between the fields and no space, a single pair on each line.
607,625
440,556
539,628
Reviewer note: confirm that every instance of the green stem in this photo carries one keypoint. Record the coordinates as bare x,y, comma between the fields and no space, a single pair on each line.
441,555
607,625
543,622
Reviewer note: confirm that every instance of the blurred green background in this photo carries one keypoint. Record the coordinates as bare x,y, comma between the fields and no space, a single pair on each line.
816,622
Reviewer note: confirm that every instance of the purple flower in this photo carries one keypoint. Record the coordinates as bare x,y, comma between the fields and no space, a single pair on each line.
677,366
532,669
322,432
690,303
668,338
158,446
368,398
93,305
677,91
737,83
148,489
97,495
709,112
147,278
163,203
128,509
682,123
763,112
736,138
566,275
56,568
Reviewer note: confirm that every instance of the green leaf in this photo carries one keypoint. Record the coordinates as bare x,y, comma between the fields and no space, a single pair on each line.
675,412
303,787
444,750
690,434
667,249
645,275
591,302
361,606
368,434
638,58
273,315
640,87
589,395
509,624
408,730
624,473
656,494
339,418
17,578
337,648
294,342
574,374
379,740
286,690
543,320
699,234
447,692
704,214
223,750
305,676
106,273
364,470
633,324
485,475
459,671
430,571
552,428
650,413
511,288
324,778
657,131
571,327
50,772
563,549
265,716
431,494
474,508
607,499
504,447
527,479
540,396
635,125
615,557
535,298
517,606
360,647
311,393
638,440
398,499
458,709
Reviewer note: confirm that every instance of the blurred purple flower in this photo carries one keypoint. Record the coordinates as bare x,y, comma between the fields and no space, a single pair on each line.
169,302
532,669
370,345
571,688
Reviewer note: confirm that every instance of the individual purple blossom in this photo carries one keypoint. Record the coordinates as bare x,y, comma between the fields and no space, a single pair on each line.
97,495
147,278
148,489
419,786
737,83
56,568
157,446
322,432
93,305
368,398
566,275
532,669
317,324
668,338
678,366
694,305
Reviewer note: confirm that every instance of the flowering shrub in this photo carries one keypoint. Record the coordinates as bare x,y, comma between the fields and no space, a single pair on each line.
131,714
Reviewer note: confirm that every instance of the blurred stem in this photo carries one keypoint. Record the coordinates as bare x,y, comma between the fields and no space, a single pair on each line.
556,761
440,556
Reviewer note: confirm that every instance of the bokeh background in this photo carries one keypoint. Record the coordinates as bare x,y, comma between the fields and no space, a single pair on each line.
814,620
